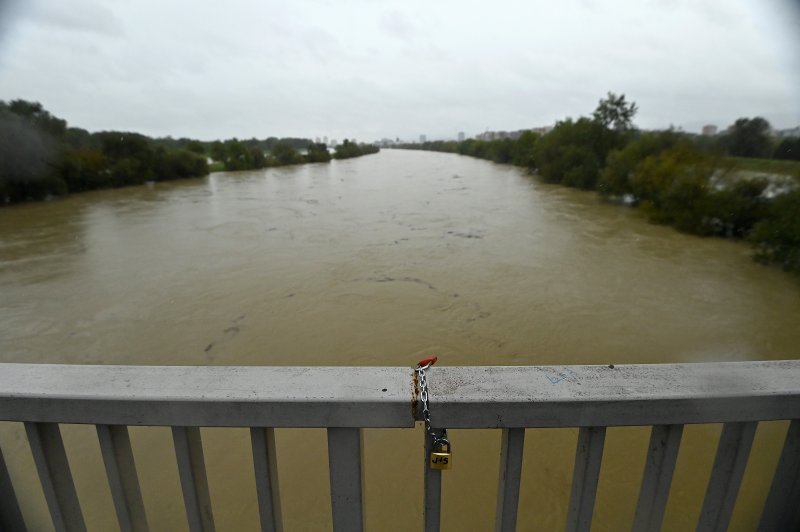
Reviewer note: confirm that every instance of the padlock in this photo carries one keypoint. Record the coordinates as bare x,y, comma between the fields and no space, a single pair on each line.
441,457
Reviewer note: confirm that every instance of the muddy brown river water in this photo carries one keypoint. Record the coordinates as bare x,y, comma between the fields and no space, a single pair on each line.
379,261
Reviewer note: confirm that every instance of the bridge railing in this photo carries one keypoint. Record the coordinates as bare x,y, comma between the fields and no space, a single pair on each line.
345,400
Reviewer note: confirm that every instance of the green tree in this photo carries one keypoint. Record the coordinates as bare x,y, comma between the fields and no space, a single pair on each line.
196,146
317,153
789,149
37,115
620,164
749,137
615,113
284,154
777,236
574,152
524,149
28,161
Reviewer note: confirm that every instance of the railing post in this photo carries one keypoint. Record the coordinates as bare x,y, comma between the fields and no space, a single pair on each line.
54,473
265,466
432,510
511,448
115,446
10,516
782,509
194,483
347,479
665,441
588,457
726,475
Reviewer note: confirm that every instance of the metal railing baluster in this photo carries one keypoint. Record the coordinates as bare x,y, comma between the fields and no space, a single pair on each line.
115,446
347,478
511,447
432,512
782,509
56,478
588,458
265,465
665,441
194,484
10,515
726,476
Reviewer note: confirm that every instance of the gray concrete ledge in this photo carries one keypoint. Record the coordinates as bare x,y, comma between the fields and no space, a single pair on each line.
461,397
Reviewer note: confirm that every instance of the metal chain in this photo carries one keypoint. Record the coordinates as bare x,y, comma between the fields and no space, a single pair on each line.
426,411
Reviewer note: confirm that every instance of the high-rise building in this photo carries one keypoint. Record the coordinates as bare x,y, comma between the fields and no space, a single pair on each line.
316,140
461,136
709,130
423,138
325,140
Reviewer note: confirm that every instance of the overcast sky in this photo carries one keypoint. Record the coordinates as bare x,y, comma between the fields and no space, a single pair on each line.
373,69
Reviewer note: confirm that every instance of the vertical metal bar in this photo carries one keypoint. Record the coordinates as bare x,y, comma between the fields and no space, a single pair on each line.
56,478
511,447
265,465
115,445
347,475
10,516
726,476
192,469
588,457
665,441
782,509
433,491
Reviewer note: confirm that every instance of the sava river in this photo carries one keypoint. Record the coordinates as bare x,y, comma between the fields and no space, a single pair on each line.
379,261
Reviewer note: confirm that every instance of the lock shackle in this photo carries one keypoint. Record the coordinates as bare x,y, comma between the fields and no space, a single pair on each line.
442,441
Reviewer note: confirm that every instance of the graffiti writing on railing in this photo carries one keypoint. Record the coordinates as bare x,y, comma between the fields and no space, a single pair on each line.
564,375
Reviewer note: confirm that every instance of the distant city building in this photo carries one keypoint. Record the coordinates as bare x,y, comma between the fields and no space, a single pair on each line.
423,138
541,130
325,140
461,136
317,140
334,142
793,132
497,135
709,130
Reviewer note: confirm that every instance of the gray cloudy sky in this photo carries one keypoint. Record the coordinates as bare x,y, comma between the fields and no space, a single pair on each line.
372,69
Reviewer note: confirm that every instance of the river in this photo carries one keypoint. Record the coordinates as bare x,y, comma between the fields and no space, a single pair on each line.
379,261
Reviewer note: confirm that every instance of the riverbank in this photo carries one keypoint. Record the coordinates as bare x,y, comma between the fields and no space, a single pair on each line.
666,176
767,166
41,158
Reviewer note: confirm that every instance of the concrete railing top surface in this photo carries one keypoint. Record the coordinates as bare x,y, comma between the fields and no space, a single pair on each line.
463,396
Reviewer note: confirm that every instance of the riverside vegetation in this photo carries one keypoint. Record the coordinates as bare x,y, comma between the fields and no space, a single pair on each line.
40,157
693,183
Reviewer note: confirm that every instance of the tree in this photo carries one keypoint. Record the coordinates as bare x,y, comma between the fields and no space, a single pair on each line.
777,237
195,146
523,153
749,137
574,152
615,113
27,161
285,154
673,187
789,148
37,115
317,153
615,179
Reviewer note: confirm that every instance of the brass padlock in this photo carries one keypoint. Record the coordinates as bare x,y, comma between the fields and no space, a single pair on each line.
441,457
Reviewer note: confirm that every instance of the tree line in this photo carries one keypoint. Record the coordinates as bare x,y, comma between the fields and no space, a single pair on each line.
689,182
41,157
